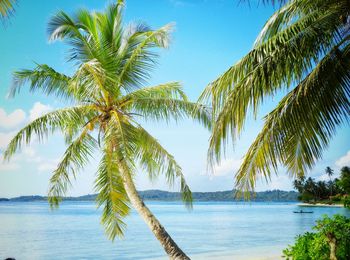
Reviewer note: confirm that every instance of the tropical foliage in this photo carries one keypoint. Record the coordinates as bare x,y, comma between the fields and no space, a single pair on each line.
109,100
332,191
344,180
6,8
303,49
330,241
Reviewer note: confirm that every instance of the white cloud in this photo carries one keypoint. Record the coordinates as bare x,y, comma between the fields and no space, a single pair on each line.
5,138
17,117
226,167
38,110
343,161
11,120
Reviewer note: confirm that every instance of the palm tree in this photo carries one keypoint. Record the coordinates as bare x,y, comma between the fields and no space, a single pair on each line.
329,171
108,100
6,8
303,49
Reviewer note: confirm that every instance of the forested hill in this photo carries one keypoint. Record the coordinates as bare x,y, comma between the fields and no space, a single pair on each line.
158,195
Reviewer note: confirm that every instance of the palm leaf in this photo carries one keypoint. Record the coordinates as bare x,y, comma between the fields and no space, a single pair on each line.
74,159
165,109
300,128
156,160
140,60
67,120
7,8
270,66
44,79
111,194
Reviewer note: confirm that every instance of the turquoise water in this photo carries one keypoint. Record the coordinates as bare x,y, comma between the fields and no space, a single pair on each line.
33,231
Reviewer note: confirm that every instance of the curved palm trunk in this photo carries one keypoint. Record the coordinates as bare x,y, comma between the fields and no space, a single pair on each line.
169,245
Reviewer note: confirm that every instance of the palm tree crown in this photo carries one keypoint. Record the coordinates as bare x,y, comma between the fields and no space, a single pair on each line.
329,171
109,98
304,49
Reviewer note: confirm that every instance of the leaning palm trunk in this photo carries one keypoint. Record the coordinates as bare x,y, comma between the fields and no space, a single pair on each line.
169,245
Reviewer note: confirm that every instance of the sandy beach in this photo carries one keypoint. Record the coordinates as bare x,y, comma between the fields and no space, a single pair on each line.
215,256
321,205
257,253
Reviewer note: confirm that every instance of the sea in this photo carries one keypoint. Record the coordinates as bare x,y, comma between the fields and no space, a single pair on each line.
211,230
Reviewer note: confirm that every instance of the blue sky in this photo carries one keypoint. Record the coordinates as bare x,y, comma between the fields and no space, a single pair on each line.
209,37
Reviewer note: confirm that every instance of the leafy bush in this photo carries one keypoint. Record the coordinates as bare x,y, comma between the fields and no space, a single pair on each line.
346,201
307,197
337,198
330,233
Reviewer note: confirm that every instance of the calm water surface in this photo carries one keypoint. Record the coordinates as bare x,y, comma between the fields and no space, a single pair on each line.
32,231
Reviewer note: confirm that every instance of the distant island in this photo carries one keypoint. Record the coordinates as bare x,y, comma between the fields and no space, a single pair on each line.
159,195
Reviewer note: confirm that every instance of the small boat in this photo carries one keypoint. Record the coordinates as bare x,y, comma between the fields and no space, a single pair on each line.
301,211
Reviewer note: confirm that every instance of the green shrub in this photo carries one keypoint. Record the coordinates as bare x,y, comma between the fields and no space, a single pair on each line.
337,198
346,201
307,197
308,246
316,245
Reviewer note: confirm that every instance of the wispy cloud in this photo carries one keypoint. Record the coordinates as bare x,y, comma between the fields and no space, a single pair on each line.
16,118
38,110
11,120
344,160
27,155
5,138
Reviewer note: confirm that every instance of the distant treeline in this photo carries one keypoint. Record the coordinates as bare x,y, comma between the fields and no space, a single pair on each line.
159,195
332,191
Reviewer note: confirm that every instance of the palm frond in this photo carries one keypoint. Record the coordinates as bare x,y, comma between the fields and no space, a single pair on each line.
291,13
63,27
7,7
44,79
110,25
65,120
165,109
166,90
138,57
111,194
296,133
75,158
90,81
270,66
156,160
120,129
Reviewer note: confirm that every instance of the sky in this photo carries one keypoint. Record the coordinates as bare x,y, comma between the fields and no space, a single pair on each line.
209,37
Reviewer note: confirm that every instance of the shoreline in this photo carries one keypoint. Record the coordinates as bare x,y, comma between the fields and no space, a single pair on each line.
264,253
267,252
320,205
235,257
